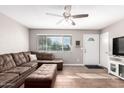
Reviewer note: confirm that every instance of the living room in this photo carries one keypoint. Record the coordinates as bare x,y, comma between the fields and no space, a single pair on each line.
73,50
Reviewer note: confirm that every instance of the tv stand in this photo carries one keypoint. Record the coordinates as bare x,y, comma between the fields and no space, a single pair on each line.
116,66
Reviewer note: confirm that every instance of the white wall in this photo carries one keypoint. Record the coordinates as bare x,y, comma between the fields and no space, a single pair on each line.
115,30
13,36
73,57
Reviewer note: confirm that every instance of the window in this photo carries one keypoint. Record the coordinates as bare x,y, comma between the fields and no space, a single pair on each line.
54,42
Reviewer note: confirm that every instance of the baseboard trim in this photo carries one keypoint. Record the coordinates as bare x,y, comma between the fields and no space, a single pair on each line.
73,64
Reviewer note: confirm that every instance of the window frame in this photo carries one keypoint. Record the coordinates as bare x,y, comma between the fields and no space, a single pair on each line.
56,35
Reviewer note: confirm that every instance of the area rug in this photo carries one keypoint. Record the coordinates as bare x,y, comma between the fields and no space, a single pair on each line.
93,67
95,76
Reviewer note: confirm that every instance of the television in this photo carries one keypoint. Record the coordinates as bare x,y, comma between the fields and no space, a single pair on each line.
118,46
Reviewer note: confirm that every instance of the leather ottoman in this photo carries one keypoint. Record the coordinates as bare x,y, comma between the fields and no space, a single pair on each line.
43,77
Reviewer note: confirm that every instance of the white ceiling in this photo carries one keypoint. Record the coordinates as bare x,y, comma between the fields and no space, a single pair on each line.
34,16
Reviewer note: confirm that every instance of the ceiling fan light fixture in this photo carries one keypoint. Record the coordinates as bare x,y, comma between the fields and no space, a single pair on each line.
67,15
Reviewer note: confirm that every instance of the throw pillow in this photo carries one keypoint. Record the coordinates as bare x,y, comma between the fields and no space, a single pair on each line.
33,57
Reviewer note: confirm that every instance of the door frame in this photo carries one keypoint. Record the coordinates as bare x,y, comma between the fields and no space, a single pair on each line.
107,50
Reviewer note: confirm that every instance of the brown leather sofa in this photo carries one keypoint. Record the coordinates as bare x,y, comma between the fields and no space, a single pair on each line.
14,68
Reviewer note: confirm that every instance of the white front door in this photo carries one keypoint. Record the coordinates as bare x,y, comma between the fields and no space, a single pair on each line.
91,49
104,49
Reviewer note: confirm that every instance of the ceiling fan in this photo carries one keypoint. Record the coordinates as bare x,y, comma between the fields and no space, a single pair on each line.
67,15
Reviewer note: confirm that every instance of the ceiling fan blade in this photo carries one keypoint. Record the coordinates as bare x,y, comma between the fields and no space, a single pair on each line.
72,22
60,21
80,16
52,14
67,8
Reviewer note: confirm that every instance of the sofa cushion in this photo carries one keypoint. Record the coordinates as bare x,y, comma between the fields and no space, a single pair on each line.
18,70
1,63
16,59
30,64
22,57
7,78
44,56
6,62
19,58
26,54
